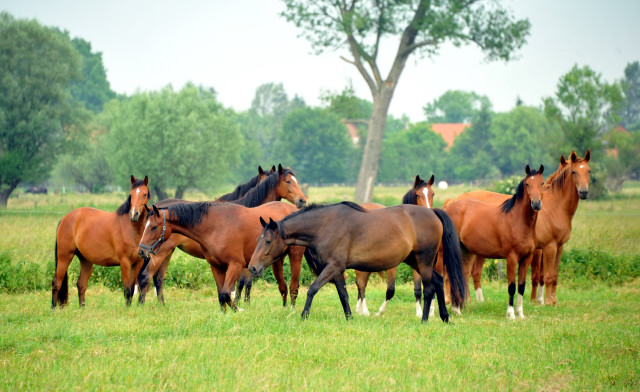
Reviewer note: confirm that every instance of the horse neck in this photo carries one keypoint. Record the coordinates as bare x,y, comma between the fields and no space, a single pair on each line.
562,199
523,213
299,230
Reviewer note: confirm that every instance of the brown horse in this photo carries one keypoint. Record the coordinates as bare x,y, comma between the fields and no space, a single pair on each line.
225,233
561,193
505,231
103,238
420,194
345,235
281,184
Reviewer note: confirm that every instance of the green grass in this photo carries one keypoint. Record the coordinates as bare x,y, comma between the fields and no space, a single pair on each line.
590,342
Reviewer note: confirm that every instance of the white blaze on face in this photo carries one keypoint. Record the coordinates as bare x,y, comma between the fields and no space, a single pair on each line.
581,166
294,179
425,190
137,191
145,228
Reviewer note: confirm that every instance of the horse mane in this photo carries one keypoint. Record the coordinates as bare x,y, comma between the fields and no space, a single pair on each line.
188,213
410,197
240,190
256,196
511,202
317,206
126,206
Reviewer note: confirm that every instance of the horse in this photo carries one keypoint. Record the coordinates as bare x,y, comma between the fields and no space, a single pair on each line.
224,233
505,231
280,184
346,235
242,189
103,238
561,192
420,194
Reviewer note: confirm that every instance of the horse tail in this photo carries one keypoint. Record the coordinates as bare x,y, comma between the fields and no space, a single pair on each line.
452,257
63,292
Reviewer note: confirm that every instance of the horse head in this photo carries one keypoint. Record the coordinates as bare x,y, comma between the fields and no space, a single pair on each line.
139,197
155,233
533,186
424,191
270,247
581,173
289,188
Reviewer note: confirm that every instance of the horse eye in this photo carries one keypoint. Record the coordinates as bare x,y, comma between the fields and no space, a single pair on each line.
153,228
268,242
574,172
288,182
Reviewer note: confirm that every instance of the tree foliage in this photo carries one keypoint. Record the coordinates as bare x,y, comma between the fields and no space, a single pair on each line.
181,140
421,26
36,118
455,106
630,111
93,89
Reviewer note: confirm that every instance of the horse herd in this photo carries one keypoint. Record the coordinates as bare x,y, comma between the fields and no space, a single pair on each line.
445,247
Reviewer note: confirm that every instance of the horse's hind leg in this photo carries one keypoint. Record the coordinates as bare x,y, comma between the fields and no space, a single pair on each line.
295,263
537,292
85,273
278,273
391,289
438,284
362,278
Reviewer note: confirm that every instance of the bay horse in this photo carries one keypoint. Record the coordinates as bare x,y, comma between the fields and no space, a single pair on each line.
225,233
561,192
504,231
104,238
346,235
420,194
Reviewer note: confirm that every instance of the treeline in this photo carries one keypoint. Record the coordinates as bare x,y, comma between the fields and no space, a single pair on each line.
61,123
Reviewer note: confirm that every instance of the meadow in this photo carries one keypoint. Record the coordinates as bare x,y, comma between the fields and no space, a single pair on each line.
590,341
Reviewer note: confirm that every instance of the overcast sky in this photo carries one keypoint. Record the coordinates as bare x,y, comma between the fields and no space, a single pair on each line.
235,46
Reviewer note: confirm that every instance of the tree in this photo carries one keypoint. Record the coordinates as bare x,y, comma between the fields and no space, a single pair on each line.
36,118
315,143
455,106
93,89
422,27
585,108
621,162
418,150
181,140
630,112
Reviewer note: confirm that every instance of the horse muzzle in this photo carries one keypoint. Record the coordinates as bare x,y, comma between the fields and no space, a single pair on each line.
255,271
144,255
583,194
134,215
536,205
301,203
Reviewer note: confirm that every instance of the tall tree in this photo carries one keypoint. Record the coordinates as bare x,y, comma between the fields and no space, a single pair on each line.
37,65
93,89
585,108
630,112
422,27
455,106
181,140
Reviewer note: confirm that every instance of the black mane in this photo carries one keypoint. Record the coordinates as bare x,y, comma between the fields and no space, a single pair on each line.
318,206
126,206
256,196
188,213
240,190
511,202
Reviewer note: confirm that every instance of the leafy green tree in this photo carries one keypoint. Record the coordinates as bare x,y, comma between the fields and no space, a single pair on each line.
519,138
418,150
455,106
630,112
622,162
181,140
93,89
315,143
421,27
37,120
585,108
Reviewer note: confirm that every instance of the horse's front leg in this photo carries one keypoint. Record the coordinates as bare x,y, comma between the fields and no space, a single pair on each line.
234,270
512,261
523,267
329,272
128,284
295,263
278,273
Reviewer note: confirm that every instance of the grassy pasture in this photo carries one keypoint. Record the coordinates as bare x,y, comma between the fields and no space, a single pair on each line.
590,341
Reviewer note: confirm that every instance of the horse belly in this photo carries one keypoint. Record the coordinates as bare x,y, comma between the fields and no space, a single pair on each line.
378,252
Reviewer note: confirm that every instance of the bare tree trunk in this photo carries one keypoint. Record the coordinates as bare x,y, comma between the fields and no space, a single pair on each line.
4,195
179,193
160,194
371,156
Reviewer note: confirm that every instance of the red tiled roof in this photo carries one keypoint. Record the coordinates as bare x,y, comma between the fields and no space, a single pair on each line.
449,131
353,132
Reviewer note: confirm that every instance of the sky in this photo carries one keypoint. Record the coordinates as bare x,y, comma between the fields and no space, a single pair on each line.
235,46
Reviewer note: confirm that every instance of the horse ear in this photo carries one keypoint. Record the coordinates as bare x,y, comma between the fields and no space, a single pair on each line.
272,224
280,169
431,180
587,156
573,157
262,222
273,168
260,171
562,160
527,170
417,181
541,169
133,179
146,208
146,180
155,210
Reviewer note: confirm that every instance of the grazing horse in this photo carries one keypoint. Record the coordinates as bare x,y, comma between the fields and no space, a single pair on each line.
225,233
345,235
420,194
281,184
561,192
505,231
103,238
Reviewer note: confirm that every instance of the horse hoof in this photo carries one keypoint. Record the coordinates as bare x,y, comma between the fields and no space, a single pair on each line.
456,310
510,313
479,295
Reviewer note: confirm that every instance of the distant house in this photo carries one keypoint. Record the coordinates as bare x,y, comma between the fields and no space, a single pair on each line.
353,132
449,132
